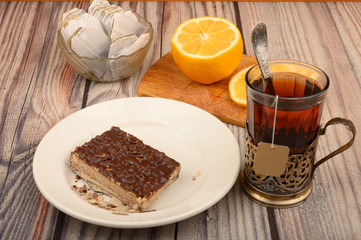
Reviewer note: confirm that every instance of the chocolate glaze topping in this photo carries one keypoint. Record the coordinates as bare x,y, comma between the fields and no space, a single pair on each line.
121,156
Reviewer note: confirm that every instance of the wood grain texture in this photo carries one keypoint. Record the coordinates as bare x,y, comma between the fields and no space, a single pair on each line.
237,217
213,0
31,102
38,89
164,79
303,32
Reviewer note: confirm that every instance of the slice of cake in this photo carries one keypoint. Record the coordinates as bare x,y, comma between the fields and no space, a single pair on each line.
122,166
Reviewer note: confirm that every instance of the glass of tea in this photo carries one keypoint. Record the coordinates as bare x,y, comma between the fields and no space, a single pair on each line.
283,126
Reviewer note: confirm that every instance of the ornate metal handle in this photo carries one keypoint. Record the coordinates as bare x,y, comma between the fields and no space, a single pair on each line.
349,125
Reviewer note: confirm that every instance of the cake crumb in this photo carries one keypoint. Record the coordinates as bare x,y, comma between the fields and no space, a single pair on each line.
83,189
199,173
97,199
77,178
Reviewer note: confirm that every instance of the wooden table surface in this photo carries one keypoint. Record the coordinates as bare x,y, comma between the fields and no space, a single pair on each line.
38,89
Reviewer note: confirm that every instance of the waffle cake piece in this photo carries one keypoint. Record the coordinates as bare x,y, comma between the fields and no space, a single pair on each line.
122,166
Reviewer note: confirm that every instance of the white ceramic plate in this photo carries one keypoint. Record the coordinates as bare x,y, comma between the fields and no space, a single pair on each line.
193,137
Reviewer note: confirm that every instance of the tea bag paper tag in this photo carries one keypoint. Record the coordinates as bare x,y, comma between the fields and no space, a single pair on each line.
271,159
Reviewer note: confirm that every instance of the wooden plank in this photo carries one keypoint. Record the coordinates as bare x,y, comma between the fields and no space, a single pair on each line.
207,0
99,92
215,98
164,79
38,89
305,32
30,106
235,216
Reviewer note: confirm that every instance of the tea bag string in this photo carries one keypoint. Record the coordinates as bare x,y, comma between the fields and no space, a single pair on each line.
274,121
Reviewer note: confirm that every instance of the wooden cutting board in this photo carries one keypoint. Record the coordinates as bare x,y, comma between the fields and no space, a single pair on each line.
164,79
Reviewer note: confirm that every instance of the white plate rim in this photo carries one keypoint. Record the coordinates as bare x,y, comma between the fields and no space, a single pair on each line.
123,223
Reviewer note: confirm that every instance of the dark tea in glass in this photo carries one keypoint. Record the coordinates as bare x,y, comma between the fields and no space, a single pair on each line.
283,125
295,128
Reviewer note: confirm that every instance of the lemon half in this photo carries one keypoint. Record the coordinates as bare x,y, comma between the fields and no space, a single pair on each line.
207,49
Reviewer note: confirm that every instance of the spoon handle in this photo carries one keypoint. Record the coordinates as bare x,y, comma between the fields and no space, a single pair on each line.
260,48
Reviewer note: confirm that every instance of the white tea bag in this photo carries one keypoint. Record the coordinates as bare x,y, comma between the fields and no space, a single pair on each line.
105,14
108,18
89,42
138,44
124,25
120,44
95,3
130,14
75,21
74,11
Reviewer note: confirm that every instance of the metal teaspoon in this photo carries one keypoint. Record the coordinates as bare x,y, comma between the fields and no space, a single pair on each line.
260,48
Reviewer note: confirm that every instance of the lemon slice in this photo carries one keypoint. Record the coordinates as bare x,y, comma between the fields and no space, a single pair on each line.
237,87
207,49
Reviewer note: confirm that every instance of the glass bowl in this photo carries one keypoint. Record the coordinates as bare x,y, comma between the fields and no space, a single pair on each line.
106,69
